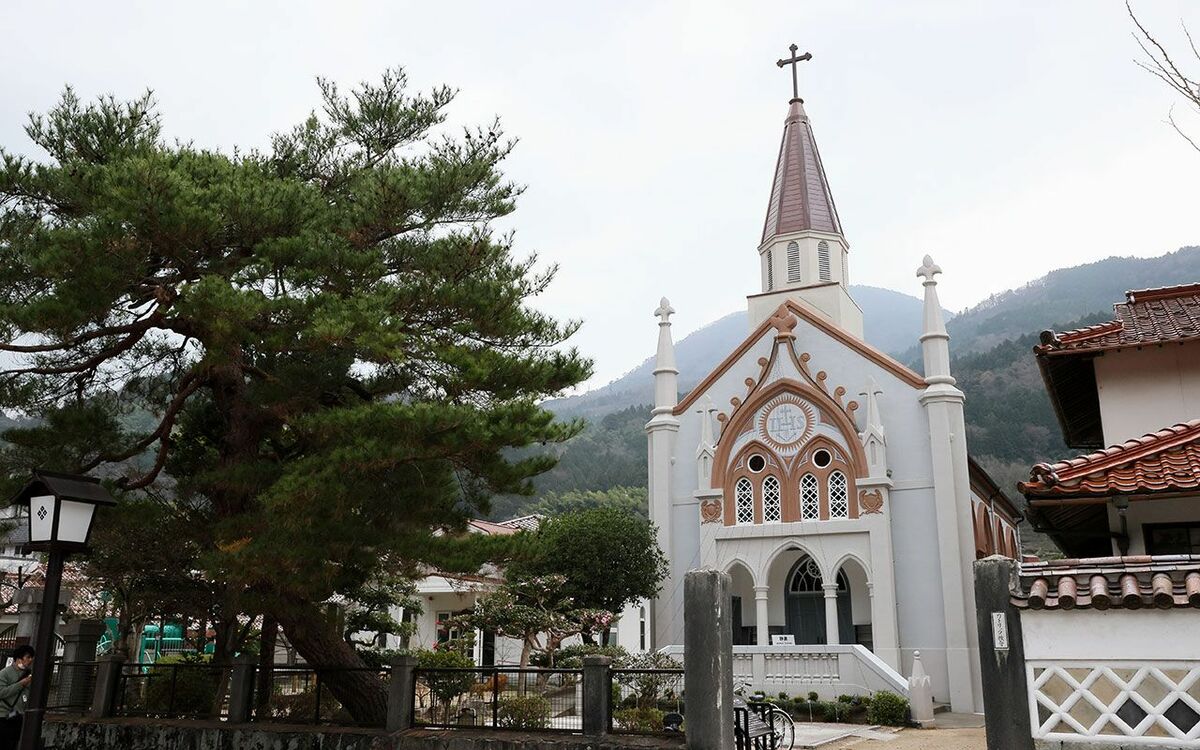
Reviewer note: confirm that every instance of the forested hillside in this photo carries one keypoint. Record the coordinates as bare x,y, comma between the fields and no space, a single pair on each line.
1010,422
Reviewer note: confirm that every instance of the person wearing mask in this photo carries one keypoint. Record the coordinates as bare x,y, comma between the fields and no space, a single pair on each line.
14,692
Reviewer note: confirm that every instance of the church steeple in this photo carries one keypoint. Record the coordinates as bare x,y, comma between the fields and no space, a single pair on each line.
803,252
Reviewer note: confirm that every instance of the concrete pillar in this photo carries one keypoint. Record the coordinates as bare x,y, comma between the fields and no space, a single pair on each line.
762,629
920,694
831,614
29,607
597,694
708,666
241,689
400,693
1001,656
108,673
80,638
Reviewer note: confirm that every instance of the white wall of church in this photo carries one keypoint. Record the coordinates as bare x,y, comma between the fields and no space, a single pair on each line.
1146,390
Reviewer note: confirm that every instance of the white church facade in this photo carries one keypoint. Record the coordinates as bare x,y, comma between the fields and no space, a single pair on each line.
829,480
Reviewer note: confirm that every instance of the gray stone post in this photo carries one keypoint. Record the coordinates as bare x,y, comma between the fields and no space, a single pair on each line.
597,694
29,607
708,660
241,689
400,693
80,638
1001,656
108,674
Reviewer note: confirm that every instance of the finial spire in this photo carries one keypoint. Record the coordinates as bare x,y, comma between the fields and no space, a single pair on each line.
793,60
666,374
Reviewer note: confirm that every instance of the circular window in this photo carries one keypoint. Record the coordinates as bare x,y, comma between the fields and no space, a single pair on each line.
757,463
822,458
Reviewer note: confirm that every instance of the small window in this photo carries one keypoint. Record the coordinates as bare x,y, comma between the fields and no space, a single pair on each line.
770,272
744,501
1172,538
757,463
771,504
793,258
839,498
822,458
823,260
810,501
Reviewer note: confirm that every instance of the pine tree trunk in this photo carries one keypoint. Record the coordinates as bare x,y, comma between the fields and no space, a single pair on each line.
362,693
266,664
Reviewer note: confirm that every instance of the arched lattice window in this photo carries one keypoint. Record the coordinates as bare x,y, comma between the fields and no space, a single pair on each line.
823,260
793,257
771,503
770,271
810,498
839,497
744,501
807,576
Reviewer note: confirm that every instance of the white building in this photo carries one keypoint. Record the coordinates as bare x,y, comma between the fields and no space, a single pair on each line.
829,480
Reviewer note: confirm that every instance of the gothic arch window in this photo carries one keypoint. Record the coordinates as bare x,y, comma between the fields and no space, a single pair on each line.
839,496
823,260
770,271
793,262
744,501
806,578
810,498
772,507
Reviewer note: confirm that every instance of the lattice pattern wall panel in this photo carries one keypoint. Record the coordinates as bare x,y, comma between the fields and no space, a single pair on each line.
1158,702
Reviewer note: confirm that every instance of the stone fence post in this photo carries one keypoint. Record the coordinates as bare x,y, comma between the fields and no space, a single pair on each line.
80,638
400,693
29,607
108,679
708,659
1001,656
597,694
241,688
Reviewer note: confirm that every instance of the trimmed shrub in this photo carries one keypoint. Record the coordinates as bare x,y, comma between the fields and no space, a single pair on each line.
812,696
571,657
888,709
195,687
446,686
524,712
645,719
834,710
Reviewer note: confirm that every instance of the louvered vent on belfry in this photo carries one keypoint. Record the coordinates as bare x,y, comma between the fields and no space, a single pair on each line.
770,272
823,260
793,255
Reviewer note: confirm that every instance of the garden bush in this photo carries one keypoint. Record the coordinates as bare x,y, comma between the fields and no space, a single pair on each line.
571,657
195,685
645,719
445,687
888,709
524,712
835,711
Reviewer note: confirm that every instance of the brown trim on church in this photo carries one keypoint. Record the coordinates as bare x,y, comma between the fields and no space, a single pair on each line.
862,347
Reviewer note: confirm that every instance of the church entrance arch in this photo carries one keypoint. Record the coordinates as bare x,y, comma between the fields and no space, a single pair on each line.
804,608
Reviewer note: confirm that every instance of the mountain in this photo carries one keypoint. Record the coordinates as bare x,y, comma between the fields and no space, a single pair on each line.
893,323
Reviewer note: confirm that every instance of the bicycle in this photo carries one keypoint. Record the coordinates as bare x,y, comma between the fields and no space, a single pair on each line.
780,722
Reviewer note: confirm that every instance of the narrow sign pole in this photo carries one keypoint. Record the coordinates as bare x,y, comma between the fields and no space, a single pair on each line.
43,660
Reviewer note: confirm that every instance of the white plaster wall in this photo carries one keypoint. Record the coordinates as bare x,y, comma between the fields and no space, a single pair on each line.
1111,634
1168,510
1146,390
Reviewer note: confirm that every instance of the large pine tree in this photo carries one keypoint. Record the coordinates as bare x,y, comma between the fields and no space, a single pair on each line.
335,349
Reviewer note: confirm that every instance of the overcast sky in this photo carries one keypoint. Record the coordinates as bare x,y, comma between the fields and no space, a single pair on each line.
1007,138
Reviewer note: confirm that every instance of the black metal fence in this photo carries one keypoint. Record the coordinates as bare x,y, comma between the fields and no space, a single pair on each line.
71,686
172,691
646,701
499,697
302,695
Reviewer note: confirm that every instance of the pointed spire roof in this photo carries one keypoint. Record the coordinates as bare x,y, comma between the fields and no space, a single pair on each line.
800,195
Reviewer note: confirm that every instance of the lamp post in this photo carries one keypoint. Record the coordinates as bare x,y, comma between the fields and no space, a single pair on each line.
61,509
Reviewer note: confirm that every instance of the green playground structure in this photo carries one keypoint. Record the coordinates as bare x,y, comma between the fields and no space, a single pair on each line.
157,641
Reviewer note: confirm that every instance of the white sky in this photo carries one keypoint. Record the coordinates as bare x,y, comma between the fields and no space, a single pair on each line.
1005,138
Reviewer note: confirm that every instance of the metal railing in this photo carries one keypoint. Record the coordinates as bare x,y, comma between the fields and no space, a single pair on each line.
646,701
751,730
302,695
499,697
71,686
172,691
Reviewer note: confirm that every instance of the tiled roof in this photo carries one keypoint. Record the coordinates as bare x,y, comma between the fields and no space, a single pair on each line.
800,195
1161,581
531,522
1163,461
1147,316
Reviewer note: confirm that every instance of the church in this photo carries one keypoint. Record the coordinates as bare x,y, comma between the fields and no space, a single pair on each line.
829,480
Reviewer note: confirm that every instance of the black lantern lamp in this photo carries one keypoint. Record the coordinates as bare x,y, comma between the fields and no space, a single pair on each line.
61,510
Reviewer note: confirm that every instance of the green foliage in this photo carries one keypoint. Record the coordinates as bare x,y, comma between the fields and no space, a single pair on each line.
446,686
835,711
812,696
888,709
646,688
523,712
571,657
640,719
195,685
631,500
570,545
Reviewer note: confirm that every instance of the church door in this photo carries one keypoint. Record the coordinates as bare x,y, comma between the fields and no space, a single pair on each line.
805,606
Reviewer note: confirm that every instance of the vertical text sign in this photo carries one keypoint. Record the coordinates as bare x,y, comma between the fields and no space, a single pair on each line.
999,631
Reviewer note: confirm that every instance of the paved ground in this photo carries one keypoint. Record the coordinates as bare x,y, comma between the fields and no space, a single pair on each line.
955,732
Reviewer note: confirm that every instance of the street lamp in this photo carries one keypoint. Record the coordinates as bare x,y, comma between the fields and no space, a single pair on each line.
61,509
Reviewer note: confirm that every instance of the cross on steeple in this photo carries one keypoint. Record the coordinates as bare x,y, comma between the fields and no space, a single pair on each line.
793,60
